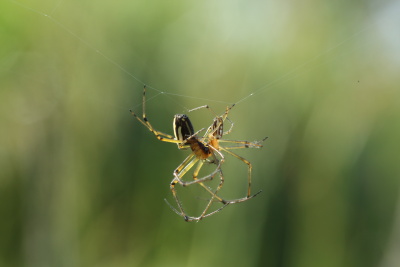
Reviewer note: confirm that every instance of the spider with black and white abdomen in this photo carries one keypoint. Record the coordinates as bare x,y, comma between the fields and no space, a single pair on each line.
205,149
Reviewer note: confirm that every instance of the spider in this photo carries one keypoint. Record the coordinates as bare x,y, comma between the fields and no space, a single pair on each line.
205,149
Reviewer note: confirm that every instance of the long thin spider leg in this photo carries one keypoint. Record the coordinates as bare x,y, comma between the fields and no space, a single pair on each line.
223,117
183,167
144,110
160,135
191,219
243,144
235,201
249,168
214,196
176,180
205,214
177,212
230,128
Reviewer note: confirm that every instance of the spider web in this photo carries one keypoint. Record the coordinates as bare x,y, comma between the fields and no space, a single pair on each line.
320,58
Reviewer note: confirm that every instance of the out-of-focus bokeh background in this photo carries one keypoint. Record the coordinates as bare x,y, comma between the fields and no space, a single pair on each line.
82,183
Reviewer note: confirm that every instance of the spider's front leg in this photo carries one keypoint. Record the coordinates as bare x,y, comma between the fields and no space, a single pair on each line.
159,135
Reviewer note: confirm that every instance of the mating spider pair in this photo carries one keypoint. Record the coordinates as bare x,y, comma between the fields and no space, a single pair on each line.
205,149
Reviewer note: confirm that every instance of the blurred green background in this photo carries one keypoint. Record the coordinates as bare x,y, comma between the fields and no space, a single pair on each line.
82,183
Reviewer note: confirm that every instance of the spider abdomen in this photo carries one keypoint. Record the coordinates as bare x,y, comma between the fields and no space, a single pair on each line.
199,149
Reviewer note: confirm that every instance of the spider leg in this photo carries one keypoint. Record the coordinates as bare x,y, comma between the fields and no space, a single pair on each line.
181,170
190,219
248,177
223,118
230,128
182,213
243,144
234,201
196,173
160,135
213,194
207,177
186,165
205,214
